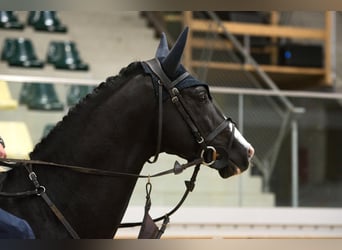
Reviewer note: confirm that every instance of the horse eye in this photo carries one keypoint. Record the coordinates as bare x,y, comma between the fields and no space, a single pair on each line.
203,97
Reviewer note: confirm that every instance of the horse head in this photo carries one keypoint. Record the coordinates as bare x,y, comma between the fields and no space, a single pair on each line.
193,126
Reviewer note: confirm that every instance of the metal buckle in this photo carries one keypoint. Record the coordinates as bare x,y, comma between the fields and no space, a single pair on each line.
200,140
174,99
175,91
32,176
206,151
40,190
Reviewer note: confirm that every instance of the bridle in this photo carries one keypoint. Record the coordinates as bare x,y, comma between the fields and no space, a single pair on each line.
208,152
208,155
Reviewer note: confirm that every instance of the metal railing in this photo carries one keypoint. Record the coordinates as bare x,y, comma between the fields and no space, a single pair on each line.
293,129
279,108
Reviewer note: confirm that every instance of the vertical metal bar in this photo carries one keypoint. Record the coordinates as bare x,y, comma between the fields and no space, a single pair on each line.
267,176
240,122
294,163
247,47
333,48
187,55
330,48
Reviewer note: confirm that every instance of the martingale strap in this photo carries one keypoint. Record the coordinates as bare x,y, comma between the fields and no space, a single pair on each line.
41,190
149,230
52,206
189,184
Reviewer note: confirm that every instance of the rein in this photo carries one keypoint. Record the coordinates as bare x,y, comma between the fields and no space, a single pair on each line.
41,190
177,169
207,157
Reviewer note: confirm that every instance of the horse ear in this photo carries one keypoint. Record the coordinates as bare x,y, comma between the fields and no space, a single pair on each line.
171,62
163,48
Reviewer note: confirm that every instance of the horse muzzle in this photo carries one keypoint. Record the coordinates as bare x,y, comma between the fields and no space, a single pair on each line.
226,165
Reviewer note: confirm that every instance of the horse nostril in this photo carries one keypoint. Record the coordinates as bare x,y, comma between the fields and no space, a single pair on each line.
250,152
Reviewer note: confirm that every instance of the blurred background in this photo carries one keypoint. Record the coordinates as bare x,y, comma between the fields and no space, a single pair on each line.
275,73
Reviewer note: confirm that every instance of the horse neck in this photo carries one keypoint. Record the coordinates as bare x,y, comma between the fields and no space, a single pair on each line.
116,137
105,130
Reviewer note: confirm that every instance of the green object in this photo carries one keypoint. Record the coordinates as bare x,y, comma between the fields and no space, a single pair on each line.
55,52
77,92
8,20
46,21
24,96
69,57
43,96
32,17
22,54
7,48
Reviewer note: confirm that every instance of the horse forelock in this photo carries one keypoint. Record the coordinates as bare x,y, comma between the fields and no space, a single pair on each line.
103,91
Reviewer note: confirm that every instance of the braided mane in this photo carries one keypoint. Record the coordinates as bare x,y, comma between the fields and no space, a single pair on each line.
78,114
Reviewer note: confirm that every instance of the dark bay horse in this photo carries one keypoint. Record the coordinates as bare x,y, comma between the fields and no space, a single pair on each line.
118,128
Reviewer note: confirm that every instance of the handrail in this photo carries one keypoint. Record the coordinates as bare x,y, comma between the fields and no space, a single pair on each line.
47,79
213,89
265,30
269,92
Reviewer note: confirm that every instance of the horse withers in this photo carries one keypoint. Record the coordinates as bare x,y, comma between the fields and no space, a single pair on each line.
149,107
